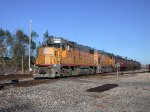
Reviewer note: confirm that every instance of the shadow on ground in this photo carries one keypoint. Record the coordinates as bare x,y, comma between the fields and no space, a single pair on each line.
103,88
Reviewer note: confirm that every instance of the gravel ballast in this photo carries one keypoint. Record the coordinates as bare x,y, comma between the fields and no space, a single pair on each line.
70,95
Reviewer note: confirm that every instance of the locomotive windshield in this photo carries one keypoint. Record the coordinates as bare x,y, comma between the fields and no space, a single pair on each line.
57,45
53,43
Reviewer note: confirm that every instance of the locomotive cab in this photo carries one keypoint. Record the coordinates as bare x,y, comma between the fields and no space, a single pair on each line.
48,59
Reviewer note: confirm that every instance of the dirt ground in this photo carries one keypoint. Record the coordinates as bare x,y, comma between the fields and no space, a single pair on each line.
126,93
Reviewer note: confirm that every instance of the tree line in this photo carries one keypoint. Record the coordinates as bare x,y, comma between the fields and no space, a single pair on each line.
14,50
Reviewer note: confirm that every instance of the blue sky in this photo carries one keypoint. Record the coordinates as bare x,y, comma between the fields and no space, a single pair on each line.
117,26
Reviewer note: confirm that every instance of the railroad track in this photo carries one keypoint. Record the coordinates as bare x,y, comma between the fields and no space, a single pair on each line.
10,79
32,82
27,83
15,76
1,86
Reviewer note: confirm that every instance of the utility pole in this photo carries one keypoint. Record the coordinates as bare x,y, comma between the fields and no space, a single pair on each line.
30,43
22,64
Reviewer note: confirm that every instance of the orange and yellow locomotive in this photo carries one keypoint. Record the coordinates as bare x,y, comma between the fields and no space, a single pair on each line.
59,57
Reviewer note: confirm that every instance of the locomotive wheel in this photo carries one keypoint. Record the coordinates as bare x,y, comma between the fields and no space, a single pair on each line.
66,72
62,72
75,71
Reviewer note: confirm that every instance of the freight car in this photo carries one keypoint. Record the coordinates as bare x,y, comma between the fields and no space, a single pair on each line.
58,57
127,64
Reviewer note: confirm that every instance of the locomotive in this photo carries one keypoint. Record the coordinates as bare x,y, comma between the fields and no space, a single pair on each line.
58,57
